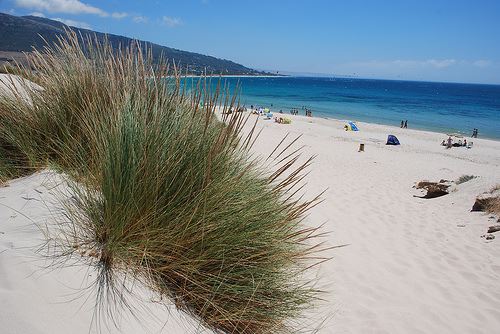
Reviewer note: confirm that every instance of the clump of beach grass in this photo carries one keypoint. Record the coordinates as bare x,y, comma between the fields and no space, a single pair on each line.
492,205
489,201
464,178
21,71
168,194
13,163
16,127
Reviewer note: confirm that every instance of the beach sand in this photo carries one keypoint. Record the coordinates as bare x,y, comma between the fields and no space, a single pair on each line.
410,265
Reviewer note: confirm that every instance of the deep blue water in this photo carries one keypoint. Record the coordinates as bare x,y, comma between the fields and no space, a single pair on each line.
441,107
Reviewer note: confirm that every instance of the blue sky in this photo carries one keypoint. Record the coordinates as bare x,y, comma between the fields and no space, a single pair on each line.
436,40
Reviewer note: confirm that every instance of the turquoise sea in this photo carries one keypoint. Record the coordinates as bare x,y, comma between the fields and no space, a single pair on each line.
440,107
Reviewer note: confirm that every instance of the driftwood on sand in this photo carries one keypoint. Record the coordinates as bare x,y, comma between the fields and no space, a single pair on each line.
434,189
494,228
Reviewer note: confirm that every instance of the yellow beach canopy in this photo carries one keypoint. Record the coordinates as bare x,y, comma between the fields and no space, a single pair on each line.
350,126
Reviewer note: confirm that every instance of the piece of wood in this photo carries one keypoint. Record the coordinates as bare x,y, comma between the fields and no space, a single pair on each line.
494,228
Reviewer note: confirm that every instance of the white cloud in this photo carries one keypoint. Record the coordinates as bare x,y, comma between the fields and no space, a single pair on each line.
440,63
407,63
38,14
61,6
119,15
140,19
482,63
72,23
172,21
437,63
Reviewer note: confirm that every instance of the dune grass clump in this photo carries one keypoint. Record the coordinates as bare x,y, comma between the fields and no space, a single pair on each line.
489,201
166,192
16,127
464,178
492,205
13,163
21,71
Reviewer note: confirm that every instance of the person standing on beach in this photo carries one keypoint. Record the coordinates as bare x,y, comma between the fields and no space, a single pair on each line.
402,124
449,142
406,124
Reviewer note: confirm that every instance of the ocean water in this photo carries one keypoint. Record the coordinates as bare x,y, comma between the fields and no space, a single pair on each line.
439,107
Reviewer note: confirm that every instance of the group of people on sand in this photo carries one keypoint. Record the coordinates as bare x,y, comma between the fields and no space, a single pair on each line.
404,124
295,111
233,109
449,143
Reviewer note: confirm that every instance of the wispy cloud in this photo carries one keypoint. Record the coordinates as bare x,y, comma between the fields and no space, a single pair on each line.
140,19
407,63
61,6
119,15
38,14
439,63
410,64
482,63
171,21
72,23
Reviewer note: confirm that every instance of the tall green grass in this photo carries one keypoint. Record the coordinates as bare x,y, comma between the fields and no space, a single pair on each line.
165,191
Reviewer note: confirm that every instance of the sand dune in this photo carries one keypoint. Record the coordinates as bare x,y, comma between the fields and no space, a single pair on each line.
411,265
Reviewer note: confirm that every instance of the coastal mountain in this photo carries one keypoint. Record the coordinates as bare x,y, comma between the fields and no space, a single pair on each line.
23,33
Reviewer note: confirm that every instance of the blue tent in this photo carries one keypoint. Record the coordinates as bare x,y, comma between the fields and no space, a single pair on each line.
392,140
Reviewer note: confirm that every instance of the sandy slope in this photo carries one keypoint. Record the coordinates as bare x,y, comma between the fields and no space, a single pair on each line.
13,83
411,265
35,299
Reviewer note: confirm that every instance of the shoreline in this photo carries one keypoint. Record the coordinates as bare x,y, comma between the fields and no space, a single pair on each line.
432,130
416,129
395,128
226,76
437,107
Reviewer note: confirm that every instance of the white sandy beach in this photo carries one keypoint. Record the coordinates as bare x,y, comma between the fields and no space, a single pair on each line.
411,265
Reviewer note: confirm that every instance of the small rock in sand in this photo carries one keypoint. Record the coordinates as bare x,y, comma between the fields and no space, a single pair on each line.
490,237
